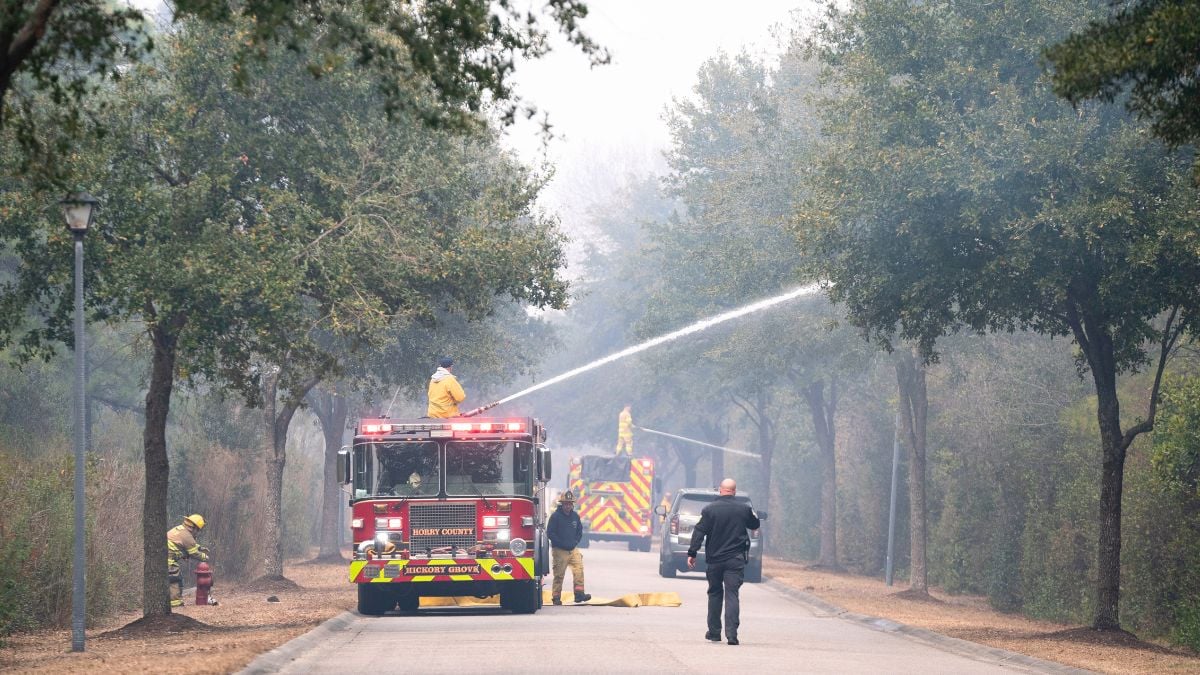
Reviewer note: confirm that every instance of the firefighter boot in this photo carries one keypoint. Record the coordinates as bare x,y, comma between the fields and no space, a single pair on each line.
580,596
556,600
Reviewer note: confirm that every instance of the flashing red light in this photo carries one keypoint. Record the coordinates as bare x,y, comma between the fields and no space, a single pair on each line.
461,426
516,426
647,463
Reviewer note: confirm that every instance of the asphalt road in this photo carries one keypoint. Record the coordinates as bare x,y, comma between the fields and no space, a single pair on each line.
779,633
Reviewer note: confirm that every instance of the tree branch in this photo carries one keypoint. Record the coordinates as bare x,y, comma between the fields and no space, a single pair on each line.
1170,335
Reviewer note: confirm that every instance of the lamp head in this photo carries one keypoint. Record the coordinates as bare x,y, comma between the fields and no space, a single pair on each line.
79,209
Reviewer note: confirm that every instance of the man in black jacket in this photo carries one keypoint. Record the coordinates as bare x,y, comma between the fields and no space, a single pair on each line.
724,523
565,530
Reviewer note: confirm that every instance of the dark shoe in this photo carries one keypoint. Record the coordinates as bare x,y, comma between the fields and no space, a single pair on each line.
712,637
582,597
734,641
556,601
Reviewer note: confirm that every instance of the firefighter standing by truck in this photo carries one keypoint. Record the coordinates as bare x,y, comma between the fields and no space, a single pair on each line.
564,531
625,431
181,544
445,393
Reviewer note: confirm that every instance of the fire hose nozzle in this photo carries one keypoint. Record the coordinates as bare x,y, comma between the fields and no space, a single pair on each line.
472,413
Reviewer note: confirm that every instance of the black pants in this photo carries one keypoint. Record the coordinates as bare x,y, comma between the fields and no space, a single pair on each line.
724,582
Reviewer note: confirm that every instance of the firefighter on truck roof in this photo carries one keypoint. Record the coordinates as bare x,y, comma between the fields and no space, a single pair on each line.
181,544
445,393
625,431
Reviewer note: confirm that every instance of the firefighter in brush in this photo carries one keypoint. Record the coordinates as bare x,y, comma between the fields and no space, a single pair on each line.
625,431
565,530
181,545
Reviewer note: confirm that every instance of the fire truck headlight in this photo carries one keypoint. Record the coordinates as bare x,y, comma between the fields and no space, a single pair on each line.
356,524
502,535
495,521
517,546
381,523
395,523
527,521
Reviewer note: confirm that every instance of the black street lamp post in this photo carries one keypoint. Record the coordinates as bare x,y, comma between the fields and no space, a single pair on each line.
79,207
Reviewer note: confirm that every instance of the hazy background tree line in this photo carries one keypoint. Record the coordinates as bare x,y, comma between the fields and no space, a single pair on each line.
916,156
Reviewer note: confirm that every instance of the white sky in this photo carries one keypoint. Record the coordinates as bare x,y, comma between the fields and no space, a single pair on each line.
608,121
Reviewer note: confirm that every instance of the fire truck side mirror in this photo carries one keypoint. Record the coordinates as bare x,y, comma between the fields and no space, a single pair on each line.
543,463
343,467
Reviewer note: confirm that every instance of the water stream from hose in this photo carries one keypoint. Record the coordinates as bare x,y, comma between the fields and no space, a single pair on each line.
701,325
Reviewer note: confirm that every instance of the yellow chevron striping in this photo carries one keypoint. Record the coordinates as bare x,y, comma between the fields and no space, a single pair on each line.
485,565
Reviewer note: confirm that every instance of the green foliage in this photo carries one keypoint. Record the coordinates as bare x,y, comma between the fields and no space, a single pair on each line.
1152,48
1176,452
956,192
441,62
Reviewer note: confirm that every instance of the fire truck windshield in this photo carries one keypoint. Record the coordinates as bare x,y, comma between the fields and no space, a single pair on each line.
489,468
406,469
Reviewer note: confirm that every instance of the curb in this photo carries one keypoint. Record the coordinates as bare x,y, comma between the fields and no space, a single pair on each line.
277,658
972,650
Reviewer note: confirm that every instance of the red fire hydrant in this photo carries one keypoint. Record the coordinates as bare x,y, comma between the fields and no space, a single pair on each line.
203,583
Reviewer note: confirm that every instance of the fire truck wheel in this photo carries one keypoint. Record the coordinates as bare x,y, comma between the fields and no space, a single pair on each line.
373,601
409,603
521,598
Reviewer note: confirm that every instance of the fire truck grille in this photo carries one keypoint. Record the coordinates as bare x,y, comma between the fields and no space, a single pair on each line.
452,525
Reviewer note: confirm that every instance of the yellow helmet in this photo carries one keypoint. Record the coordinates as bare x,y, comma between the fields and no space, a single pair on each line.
195,519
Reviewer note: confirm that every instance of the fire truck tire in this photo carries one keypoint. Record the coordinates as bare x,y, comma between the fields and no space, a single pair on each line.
754,572
521,599
374,601
409,603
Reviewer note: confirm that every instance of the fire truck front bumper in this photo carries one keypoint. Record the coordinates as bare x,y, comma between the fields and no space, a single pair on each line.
439,570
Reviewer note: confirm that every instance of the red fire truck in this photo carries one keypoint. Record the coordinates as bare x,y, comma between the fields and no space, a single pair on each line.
447,507
615,498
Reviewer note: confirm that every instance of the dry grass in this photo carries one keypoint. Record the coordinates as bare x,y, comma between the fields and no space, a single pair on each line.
195,639
970,618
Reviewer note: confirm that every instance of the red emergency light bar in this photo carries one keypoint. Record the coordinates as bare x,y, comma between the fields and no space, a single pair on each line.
375,427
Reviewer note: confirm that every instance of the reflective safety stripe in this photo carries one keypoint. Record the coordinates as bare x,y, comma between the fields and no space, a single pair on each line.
522,570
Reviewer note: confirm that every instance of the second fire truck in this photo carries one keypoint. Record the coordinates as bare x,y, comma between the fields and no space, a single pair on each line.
447,507
614,498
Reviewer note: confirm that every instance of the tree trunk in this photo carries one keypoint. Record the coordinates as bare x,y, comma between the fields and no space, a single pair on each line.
274,462
1108,559
156,600
277,417
823,420
688,460
713,433
330,407
766,447
1094,338
914,409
